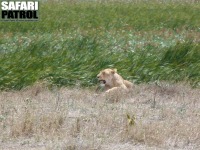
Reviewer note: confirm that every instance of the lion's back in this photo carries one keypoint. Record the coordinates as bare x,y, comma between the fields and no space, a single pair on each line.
128,84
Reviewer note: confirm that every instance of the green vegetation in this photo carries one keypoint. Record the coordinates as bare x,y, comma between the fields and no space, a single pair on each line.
72,41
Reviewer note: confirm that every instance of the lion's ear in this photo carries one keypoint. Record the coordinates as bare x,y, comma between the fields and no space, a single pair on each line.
114,71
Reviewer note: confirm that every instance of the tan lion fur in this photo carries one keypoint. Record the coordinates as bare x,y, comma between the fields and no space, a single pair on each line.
113,80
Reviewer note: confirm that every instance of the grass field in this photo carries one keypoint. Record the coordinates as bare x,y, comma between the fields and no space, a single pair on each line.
72,41
163,116
48,72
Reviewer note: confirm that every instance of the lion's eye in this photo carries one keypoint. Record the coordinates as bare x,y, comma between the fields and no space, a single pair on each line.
103,73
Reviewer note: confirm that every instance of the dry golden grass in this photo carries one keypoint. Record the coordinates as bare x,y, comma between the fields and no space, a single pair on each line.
161,116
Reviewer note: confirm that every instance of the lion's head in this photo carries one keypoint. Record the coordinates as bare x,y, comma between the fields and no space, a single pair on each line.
106,76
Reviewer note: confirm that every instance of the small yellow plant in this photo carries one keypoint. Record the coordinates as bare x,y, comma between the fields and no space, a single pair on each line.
131,120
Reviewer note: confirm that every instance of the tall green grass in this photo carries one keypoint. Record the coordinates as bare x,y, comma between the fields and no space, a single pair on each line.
62,16
72,42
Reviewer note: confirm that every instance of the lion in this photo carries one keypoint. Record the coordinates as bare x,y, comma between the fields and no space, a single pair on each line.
113,81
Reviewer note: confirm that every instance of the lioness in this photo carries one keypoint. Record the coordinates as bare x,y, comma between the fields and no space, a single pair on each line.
112,80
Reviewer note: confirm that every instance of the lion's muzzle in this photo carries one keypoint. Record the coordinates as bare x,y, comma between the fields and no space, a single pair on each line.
102,81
